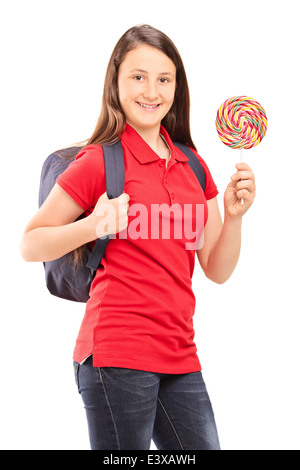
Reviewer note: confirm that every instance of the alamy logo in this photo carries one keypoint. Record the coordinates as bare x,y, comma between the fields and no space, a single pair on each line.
160,222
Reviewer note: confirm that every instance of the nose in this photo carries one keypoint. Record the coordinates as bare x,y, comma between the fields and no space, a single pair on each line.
151,90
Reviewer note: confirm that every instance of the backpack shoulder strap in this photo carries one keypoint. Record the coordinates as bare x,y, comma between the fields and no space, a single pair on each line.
115,178
193,162
114,169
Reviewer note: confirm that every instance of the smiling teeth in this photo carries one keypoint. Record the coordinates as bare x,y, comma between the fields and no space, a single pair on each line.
147,106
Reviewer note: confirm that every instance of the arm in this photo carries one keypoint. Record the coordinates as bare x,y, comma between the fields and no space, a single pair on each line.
222,241
52,232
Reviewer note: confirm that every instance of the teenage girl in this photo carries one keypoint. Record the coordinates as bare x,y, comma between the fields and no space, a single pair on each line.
135,361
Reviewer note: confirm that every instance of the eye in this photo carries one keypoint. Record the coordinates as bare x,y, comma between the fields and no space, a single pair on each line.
164,80
138,78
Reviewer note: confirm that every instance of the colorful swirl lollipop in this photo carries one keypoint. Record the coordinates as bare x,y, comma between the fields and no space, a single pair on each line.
241,123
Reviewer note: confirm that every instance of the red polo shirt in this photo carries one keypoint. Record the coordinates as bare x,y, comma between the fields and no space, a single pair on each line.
141,306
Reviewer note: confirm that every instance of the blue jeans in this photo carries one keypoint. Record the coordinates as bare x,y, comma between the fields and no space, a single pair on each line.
126,408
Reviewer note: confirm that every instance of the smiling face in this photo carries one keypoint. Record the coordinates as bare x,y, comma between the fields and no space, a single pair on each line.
146,84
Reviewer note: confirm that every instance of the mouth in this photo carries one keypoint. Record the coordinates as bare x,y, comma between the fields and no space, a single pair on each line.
148,107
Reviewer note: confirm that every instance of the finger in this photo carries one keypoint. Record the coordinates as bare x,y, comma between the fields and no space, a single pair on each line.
243,194
124,198
246,184
104,196
243,175
243,166
232,184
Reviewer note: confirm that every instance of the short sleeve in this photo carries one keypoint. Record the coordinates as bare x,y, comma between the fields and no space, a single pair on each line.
84,179
211,189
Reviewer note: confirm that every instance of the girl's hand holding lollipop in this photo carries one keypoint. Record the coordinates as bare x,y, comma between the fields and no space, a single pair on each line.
241,123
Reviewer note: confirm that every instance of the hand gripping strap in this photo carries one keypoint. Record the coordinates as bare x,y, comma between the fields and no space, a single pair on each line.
114,176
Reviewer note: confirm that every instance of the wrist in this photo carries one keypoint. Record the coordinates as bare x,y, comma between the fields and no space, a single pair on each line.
90,228
231,220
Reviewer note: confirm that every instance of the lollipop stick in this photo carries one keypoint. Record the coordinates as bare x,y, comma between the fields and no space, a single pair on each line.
241,161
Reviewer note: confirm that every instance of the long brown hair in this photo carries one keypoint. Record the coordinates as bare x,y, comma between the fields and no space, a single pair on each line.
112,120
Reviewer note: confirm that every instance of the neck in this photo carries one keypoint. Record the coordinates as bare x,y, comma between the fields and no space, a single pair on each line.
155,141
150,136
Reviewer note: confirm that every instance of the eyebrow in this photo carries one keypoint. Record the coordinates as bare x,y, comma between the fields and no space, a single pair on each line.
145,71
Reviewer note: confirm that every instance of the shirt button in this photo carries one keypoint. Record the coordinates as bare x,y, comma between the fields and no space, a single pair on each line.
160,163
173,196
166,180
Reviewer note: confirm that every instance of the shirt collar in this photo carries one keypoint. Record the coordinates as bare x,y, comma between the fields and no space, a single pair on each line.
141,150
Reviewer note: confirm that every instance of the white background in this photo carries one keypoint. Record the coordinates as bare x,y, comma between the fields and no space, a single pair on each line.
53,59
